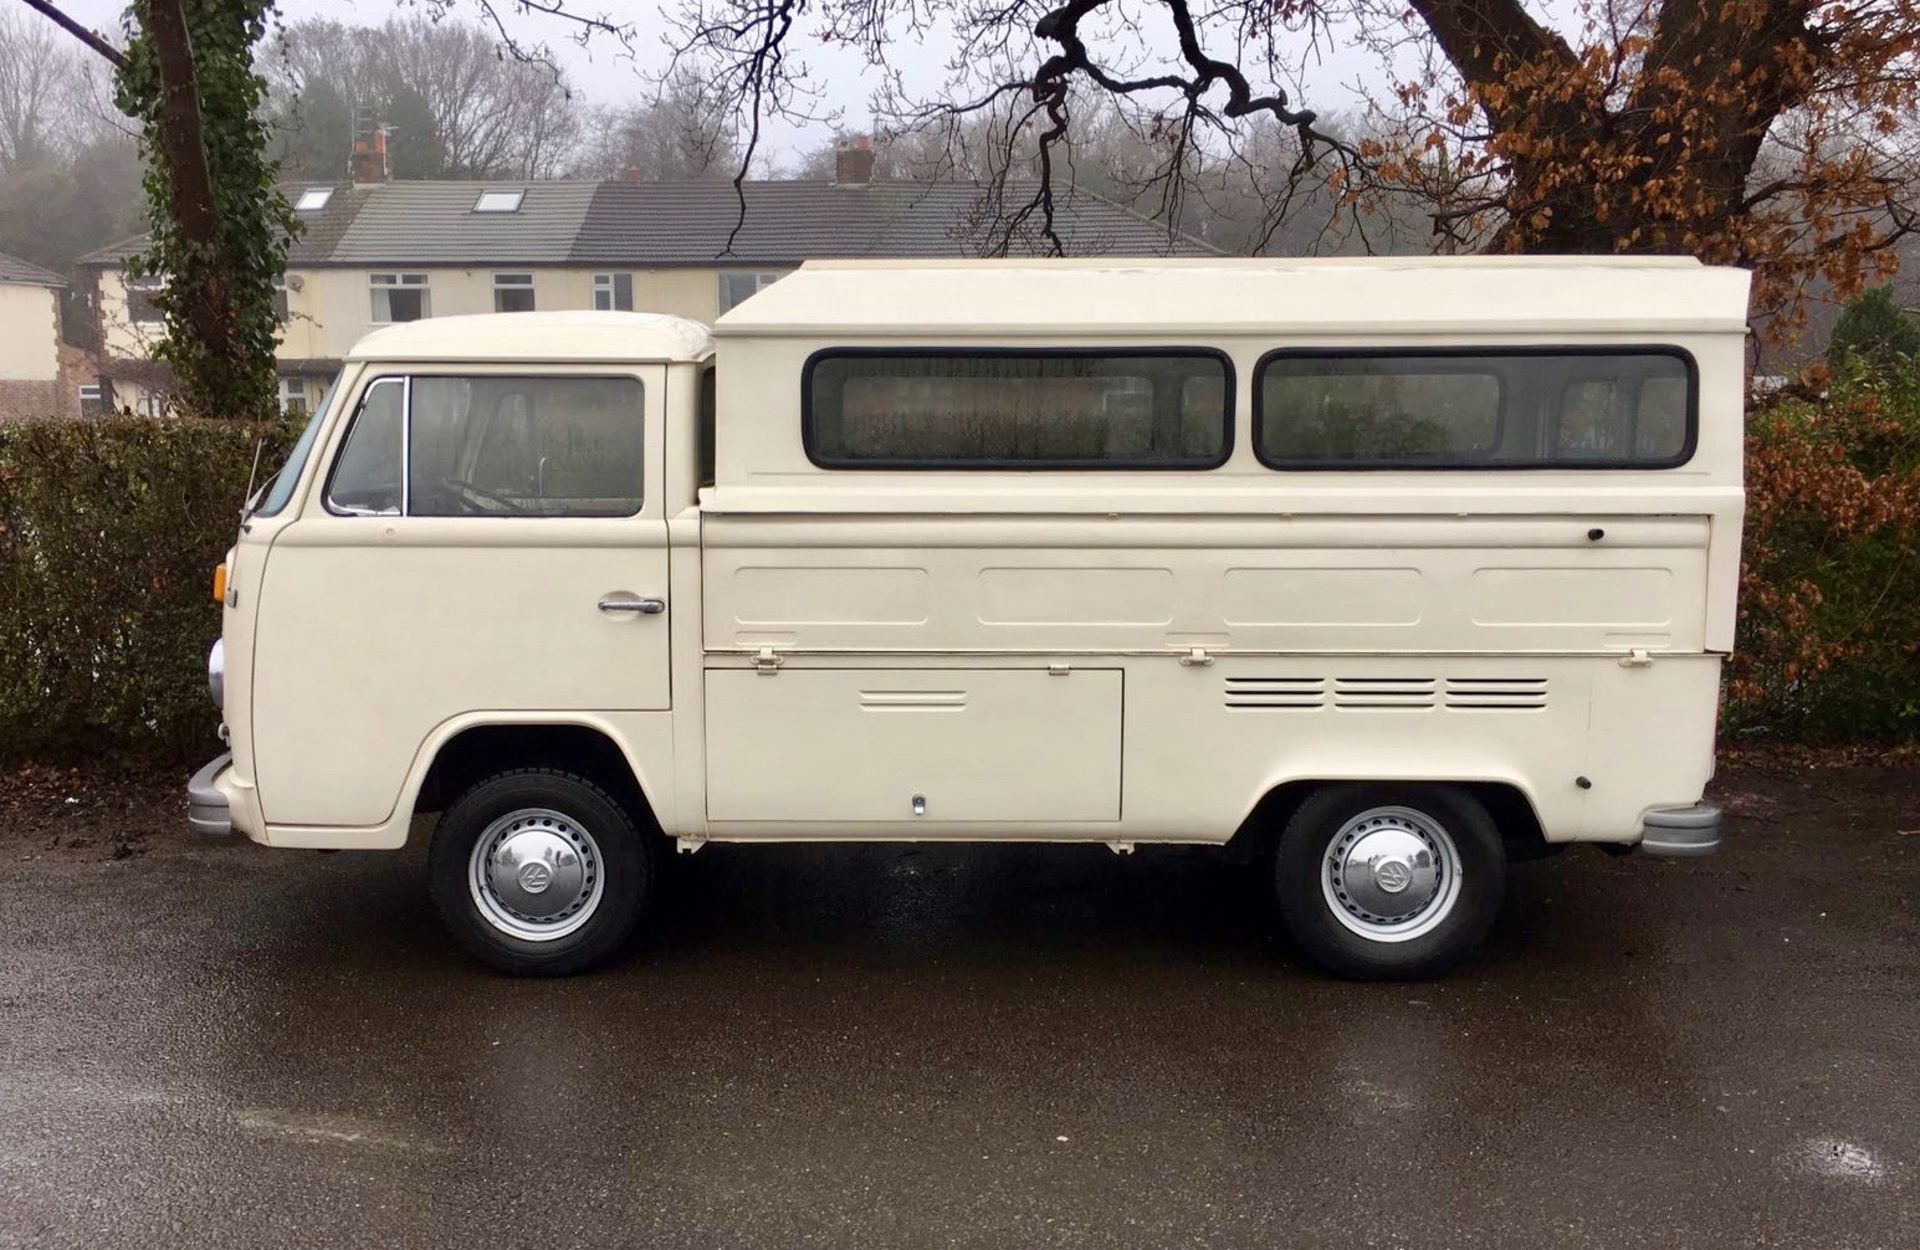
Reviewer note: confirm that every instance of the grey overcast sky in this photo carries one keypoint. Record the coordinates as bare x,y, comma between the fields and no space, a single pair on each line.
603,73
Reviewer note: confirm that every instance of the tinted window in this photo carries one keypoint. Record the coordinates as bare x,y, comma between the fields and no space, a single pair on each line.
493,446
366,475
1162,409
1514,409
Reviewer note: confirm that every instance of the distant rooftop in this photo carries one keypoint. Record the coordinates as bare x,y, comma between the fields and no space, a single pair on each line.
26,273
664,224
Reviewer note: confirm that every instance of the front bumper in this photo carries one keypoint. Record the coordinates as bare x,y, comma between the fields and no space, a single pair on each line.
207,810
1681,832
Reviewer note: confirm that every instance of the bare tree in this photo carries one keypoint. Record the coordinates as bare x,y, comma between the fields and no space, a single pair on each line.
42,91
456,107
685,132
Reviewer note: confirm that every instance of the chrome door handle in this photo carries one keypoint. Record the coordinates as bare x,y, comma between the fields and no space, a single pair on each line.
645,607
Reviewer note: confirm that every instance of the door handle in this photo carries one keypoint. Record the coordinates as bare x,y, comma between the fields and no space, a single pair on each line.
645,607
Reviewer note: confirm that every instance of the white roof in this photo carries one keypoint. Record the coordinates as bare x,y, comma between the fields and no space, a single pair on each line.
615,337
1209,297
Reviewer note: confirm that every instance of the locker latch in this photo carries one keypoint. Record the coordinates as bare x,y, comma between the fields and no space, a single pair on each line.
767,662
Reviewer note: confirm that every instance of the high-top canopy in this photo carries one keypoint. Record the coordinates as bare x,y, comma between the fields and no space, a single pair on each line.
1176,298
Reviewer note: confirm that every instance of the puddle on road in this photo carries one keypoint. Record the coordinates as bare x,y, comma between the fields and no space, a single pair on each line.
1841,1160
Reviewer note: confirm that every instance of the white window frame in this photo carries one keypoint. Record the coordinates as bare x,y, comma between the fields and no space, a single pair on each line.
501,201
93,393
388,280
607,285
313,199
762,279
148,285
521,281
292,386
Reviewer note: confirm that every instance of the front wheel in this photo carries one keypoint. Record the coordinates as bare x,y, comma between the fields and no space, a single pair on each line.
1385,881
539,872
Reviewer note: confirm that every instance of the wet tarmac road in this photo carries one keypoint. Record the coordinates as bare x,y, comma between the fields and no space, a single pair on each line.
219,1045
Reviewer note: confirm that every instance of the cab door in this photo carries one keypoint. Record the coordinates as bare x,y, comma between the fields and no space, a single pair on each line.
480,540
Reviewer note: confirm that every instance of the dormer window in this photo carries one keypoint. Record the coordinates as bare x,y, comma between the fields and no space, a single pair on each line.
498,202
313,199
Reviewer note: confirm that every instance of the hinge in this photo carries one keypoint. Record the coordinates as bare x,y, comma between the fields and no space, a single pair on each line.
1196,658
768,661
1636,658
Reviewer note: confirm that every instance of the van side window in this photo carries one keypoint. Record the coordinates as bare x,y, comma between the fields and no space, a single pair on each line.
493,446
1518,408
1049,409
526,446
708,415
366,474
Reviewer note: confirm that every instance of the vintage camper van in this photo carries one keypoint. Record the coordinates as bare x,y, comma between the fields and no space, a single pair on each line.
1378,573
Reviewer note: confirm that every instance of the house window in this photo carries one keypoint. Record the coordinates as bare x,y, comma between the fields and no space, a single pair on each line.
981,408
293,397
313,199
513,292
736,287
1513,408
143,307
93,401
399,297
498,202
280,313
613,292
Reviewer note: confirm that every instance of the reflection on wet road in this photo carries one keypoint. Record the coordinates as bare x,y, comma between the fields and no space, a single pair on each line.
1007,1047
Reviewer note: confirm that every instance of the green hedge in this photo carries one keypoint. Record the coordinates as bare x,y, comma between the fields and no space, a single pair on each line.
109,533
1828,648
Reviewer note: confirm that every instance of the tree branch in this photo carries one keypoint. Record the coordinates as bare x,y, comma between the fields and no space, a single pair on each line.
92,40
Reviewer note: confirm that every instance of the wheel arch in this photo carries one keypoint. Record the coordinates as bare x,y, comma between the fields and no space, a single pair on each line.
467,748
1507,798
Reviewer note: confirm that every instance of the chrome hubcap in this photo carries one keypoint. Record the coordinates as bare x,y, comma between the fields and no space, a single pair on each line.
1391,874
535,875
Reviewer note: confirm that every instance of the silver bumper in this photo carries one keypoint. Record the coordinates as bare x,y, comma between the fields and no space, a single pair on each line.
1681,832
206,806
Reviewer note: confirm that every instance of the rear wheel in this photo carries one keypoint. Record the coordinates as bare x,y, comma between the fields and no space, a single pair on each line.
539,872
1382,881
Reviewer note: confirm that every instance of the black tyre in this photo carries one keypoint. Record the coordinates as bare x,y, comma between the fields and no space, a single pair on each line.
1389,881
539,872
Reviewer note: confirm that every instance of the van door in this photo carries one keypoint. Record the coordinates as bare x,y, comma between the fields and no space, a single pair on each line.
482,540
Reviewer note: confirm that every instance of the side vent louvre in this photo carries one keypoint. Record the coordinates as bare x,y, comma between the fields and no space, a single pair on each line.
1496,694
1390,692
1304,693
1349,694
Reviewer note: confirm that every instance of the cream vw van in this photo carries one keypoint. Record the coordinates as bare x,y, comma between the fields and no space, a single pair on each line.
1377,573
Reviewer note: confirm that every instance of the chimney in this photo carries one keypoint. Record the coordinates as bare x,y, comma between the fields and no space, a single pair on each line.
369,161
853,161
630,174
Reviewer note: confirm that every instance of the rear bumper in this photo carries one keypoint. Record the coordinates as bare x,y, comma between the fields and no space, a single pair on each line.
207,809
1681,832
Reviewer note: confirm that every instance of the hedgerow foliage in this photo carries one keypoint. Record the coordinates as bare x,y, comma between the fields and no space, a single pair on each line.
1828,646
109,532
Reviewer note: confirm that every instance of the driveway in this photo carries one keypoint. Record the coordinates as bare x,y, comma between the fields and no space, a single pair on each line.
217,1045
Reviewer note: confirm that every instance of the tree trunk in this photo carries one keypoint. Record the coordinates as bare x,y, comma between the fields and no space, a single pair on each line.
190,181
